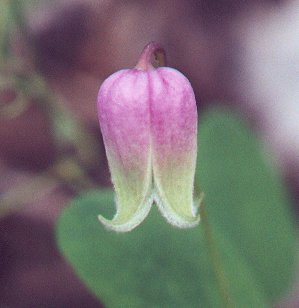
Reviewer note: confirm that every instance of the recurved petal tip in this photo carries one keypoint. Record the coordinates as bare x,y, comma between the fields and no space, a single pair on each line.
124,222
178,219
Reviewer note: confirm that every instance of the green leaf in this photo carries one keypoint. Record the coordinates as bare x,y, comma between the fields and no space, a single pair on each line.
246,199
155,265
5,23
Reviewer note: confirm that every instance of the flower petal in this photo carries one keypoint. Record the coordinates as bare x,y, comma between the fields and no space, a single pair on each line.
123,108
174,145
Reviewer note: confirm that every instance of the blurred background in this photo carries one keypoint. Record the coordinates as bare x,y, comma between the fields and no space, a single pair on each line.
54,55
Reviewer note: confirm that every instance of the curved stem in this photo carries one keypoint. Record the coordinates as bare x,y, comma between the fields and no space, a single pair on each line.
151,50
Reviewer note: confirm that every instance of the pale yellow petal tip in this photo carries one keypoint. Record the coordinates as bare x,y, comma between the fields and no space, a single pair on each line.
113,225
125,225
175,219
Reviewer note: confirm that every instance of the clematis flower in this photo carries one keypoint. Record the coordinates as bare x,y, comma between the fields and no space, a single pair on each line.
148,120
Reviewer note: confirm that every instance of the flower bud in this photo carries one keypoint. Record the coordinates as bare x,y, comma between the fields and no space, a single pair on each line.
148,119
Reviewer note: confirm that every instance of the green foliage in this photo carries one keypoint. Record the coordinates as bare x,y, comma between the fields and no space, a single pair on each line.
246,200
4,26
153,266
241,254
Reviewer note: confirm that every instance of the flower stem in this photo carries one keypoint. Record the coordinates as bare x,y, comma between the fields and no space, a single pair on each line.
152,56
222,282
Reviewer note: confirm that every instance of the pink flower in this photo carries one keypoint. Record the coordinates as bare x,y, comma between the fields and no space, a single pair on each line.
148,119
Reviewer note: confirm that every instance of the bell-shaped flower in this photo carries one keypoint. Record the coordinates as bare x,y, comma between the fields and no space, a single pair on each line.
148,119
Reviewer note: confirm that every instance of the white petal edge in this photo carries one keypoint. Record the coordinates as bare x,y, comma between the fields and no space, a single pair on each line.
134,221
173,218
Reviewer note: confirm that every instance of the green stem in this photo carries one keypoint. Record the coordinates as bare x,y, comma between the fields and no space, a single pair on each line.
222,282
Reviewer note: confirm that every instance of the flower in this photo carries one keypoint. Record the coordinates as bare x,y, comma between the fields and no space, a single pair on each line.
148,119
